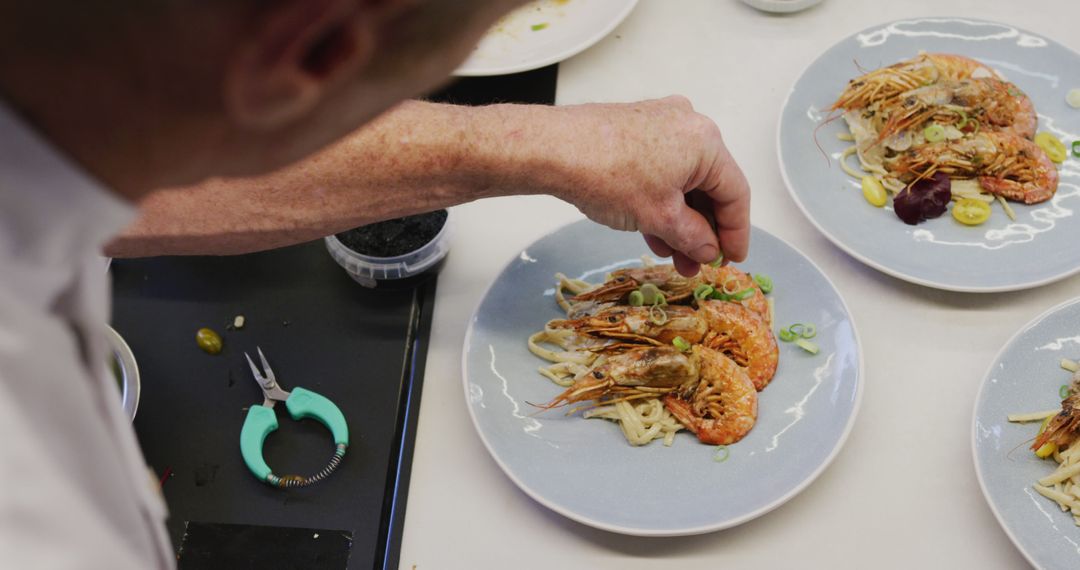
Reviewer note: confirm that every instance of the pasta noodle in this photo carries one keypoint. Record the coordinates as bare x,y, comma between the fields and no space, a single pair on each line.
1032,417
640,422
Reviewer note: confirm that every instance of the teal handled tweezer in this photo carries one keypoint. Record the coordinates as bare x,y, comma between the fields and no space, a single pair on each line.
301,404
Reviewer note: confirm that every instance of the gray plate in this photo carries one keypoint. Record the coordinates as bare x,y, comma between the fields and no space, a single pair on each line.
1026,377
997,256
585,470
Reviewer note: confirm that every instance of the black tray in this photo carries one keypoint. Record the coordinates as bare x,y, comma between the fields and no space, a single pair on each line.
362,348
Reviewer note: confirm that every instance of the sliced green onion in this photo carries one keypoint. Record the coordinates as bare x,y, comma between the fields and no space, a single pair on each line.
681,344
657,315
728,281
786,335
765,282
1073,98
719,296
636,299
1076,149
810,331
806,345
721,454
649,293
934,133
963,119
702,291
716,262
744,294
1070,365
1064,391
538,27
797,329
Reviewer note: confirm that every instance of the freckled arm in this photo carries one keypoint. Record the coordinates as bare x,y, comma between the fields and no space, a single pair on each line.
416,158
655,166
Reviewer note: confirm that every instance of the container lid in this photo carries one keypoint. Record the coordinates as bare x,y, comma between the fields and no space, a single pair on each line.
369,270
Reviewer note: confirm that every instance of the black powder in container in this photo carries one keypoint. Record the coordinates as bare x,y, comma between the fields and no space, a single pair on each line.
394,237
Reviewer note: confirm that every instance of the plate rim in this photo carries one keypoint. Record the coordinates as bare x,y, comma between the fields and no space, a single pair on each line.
558,57
1021,286
860,386
980,395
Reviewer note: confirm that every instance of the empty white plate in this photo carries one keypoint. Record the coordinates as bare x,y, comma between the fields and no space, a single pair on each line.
542,33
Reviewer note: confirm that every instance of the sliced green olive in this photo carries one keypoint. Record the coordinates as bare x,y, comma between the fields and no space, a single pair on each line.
209,341
874,192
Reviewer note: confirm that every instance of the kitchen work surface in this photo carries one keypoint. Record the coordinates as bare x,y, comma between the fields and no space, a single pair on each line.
903,492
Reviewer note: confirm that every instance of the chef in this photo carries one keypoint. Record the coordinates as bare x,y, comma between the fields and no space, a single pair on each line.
183,127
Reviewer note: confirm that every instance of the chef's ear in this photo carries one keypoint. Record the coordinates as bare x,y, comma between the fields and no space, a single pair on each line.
292,52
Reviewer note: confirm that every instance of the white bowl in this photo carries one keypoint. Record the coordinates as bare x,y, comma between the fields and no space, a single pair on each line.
130,382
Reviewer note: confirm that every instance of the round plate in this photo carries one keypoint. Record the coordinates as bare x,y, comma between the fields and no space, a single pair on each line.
585,469
937,253
563,29
1026,377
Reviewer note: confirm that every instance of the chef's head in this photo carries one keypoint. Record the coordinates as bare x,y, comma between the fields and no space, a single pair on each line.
226,87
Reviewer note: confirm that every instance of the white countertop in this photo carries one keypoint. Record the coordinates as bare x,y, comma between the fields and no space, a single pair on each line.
902,493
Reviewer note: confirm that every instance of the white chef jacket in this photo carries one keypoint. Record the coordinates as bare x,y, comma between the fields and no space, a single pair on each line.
75,491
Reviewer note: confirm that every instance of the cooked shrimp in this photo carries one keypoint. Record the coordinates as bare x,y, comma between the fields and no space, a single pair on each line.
731,321
675,287
968,105
729,279
1065,427
925,69
722,407
999,105
1005,164
639,324
670,282
646,370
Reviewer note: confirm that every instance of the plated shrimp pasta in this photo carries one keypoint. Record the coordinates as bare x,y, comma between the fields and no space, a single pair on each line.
657,352
939,129
1055,439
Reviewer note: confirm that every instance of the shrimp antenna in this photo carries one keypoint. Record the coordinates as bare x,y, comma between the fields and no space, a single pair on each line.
1025,442
859,66
832,117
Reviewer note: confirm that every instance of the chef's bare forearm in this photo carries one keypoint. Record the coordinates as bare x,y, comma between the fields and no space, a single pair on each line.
417,158
626,165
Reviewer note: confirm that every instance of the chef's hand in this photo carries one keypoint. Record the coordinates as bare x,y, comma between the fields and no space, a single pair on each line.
662,169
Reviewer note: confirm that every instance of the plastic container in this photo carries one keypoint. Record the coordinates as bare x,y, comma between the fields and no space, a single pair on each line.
371,271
